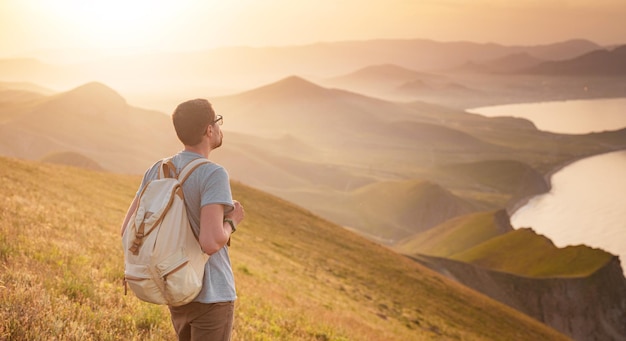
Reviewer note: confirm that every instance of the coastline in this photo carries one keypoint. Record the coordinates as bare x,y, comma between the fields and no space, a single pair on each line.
512,208
548,178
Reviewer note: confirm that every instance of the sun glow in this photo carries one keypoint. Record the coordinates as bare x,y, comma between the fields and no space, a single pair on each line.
110,24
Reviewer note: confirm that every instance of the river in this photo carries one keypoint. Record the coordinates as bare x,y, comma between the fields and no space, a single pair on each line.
587,202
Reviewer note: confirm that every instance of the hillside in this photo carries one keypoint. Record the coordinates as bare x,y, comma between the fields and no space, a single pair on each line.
385,73
93,120
380,80
72,159
501,183
410,207
538,257
60,251
506,64
456,235
529,273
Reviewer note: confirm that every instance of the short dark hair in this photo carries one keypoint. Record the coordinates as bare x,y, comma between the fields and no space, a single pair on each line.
191,118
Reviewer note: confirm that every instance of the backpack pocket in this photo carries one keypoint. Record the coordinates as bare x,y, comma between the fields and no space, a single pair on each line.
180,280
141,283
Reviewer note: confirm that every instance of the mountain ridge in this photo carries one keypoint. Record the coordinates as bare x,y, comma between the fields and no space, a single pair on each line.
601,62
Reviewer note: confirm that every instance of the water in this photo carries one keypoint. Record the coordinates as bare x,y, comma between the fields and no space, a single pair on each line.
568,117
587,203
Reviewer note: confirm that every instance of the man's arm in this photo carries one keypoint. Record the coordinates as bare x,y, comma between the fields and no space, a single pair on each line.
214,232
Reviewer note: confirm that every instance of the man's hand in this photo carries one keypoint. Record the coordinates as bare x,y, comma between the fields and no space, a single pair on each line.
237,214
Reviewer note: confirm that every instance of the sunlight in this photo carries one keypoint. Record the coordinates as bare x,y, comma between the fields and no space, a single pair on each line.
113,23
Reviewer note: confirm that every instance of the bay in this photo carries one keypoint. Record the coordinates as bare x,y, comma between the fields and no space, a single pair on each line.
586,204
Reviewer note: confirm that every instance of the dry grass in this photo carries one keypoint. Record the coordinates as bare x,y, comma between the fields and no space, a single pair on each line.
298,277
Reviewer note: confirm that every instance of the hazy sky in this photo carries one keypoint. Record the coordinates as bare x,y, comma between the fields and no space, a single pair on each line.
137,25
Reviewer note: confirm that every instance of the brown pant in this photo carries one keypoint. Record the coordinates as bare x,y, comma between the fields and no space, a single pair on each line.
202,321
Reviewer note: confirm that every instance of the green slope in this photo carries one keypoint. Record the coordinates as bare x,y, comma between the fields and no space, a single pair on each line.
525,253
499,182
299,277
455,235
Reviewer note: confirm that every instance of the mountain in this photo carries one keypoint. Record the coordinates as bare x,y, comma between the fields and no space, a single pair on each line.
597,63
456,235
298,277
511,181
501,253
72,159
386,211
25,87
514,62
300,107
92,120
378,80
561,50
35,71
507,64
427,90
527,272
387,73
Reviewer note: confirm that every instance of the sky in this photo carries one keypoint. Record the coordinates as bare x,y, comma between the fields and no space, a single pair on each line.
72,28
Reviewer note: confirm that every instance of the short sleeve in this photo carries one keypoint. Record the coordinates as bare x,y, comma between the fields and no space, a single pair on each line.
216,189
149,174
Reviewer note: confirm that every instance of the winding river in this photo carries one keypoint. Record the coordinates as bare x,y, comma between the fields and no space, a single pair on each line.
587,202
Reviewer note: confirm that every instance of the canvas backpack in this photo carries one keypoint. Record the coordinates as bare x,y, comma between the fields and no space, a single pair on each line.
163,260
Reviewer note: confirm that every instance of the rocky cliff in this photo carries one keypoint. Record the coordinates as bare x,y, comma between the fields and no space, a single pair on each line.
584,308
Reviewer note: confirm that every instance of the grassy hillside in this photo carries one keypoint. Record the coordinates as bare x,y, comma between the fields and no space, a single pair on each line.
487,239
454,235
298,277
500,183
72,159
523,252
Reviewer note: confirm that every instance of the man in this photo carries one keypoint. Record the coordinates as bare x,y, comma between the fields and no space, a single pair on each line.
213,215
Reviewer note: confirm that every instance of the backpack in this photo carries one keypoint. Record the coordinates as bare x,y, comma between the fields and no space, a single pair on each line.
163,260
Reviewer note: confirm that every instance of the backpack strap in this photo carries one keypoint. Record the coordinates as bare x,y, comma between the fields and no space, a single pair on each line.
166,169
189,168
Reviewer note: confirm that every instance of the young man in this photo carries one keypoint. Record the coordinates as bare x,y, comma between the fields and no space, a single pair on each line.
214,216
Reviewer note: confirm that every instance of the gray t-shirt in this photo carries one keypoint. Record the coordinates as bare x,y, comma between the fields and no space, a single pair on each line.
208,184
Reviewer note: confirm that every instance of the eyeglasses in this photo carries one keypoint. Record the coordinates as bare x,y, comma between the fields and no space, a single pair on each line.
219,120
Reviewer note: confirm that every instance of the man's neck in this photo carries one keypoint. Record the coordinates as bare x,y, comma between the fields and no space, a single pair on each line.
199,149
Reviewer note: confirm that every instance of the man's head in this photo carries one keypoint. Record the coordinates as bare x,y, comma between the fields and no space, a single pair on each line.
195,119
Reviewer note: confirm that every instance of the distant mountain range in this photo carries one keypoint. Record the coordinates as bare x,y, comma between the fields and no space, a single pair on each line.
511,79
304,142
597,63
600,62
511,63
159,81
